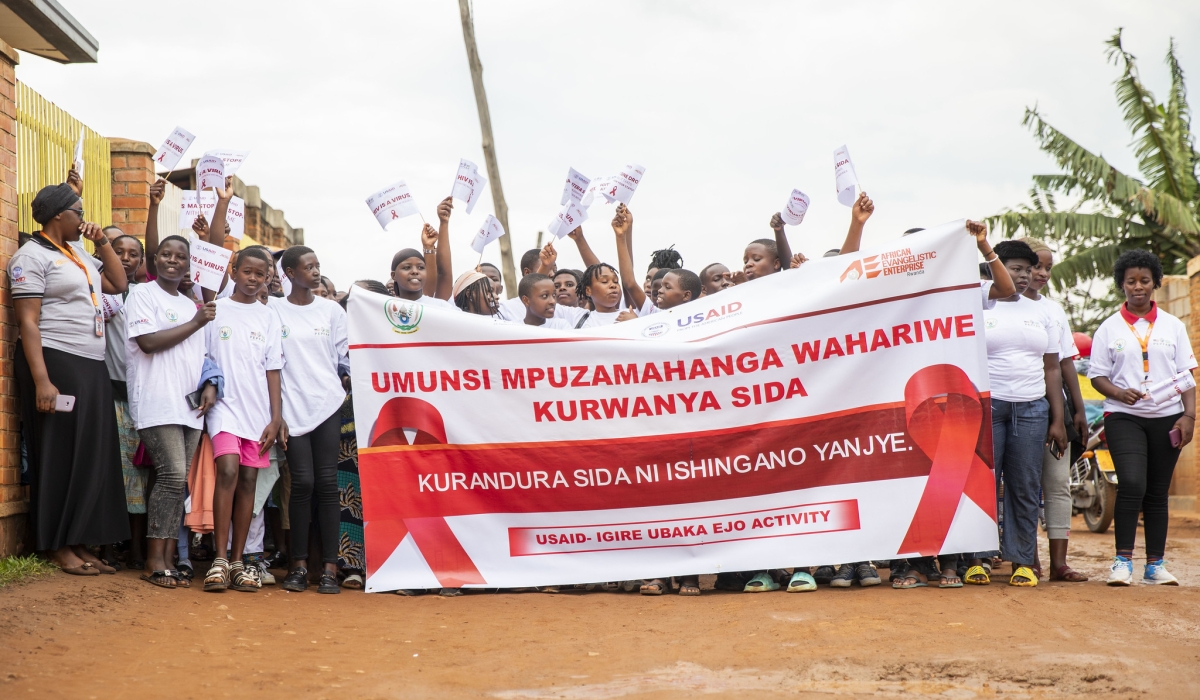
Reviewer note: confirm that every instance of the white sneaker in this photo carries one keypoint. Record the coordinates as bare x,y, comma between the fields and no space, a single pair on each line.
265,577
1157,575
1121,573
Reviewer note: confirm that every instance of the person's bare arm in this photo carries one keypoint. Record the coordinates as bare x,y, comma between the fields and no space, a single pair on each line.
112,279
585,250
1057,432
622,224
781,242
859,213
28,312
157,191
1002,284
1187,422
445,279
276,430
429,239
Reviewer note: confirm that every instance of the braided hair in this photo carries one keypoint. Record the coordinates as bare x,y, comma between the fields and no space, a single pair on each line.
590,274
478,295
667,258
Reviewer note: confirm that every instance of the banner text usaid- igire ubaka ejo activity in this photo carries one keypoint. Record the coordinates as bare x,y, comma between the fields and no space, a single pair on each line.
833,413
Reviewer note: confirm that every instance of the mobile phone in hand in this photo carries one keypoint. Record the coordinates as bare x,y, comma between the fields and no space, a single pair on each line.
193,399
64,403
1176,438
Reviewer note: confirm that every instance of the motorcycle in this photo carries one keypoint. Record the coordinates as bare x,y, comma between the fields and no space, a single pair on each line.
1094,481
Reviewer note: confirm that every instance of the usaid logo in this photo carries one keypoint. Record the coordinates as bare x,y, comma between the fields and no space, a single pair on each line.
710,315
655,330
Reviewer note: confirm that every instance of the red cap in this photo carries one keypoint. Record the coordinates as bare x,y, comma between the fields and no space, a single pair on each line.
1084,343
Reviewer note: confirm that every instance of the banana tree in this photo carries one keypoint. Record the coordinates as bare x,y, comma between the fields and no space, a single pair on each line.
1110,212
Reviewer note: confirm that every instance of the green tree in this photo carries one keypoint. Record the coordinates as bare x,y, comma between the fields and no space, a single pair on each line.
1111,212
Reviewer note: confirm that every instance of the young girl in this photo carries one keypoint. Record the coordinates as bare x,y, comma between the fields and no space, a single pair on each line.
715,278
165,356
315,380
602,285
473,293
248,419
537,294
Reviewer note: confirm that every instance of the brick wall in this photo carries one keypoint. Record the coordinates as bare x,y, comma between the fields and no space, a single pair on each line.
132,175
14,500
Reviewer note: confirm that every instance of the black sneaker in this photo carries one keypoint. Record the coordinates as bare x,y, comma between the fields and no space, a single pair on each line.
296,580
329,583
844,576
824,574
866,574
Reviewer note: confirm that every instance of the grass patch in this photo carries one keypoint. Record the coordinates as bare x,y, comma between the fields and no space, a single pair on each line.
23,569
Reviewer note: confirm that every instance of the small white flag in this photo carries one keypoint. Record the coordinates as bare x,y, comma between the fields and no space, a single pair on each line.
171,151
190,207
626,183
1166,390
793,211
468,184
576,186
232,159
78,160
601,186
210,172
391,203
208,264
491,231
845,176
235,216
568,219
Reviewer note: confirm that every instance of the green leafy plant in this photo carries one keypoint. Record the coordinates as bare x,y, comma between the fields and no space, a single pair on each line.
22,569
1111,212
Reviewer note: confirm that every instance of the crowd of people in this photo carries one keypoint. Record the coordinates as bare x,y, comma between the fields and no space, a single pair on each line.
204,421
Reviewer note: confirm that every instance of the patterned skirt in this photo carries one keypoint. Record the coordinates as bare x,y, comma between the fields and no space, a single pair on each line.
351,554
127,442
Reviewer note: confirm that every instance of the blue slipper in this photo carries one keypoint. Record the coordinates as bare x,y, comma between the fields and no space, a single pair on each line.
800,582
761,583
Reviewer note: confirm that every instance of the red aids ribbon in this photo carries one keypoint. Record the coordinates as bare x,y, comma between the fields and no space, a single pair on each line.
433,536
945,418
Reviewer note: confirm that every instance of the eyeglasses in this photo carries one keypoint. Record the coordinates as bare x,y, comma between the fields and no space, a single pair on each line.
77,211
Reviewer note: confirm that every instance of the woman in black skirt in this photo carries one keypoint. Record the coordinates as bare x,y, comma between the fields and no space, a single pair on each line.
77,496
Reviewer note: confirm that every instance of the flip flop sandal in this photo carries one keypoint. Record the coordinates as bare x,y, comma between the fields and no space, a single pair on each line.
1026,573
904,582
977,576
411,592
186,572
162,578
181,581
652,587
949,581
1066,573
801,581
353,582
84,569
689,586
761,583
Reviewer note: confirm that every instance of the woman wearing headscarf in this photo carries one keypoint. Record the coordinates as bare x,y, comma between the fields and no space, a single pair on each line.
77,498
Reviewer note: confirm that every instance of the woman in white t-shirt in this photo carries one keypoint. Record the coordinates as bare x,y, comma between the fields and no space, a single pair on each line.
1142,362
473,292
316,377
1056,468
1027,411
602,285
164,357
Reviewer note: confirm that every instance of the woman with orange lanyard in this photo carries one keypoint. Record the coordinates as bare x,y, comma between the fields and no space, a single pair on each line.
1137,349
77,495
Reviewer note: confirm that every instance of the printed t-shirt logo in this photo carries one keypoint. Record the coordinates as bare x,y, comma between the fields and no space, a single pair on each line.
285,331
225,333
171,315
258,337
18,271
60,262
991,323
403,315
1119,345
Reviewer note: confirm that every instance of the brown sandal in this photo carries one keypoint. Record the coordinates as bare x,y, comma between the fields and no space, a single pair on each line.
653,587
689,585
1066,573
162,579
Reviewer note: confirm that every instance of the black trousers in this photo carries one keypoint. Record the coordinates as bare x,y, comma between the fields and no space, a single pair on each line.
1144,459
312,459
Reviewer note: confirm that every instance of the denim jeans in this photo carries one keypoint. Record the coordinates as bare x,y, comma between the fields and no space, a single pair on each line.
1018,438
171,447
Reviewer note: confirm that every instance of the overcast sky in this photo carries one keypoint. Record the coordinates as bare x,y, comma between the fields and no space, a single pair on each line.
727,105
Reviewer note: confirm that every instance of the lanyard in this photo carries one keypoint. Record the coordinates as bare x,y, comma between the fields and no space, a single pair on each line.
1145,343
70,255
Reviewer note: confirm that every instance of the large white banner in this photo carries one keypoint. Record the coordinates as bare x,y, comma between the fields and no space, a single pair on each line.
837,412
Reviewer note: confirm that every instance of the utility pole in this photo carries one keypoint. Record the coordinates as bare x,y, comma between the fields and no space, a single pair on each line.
489,148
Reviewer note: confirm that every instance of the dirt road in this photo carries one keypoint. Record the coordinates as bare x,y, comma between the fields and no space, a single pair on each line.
114,636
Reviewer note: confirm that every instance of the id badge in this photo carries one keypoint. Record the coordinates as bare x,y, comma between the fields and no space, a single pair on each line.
99,324
1144,387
